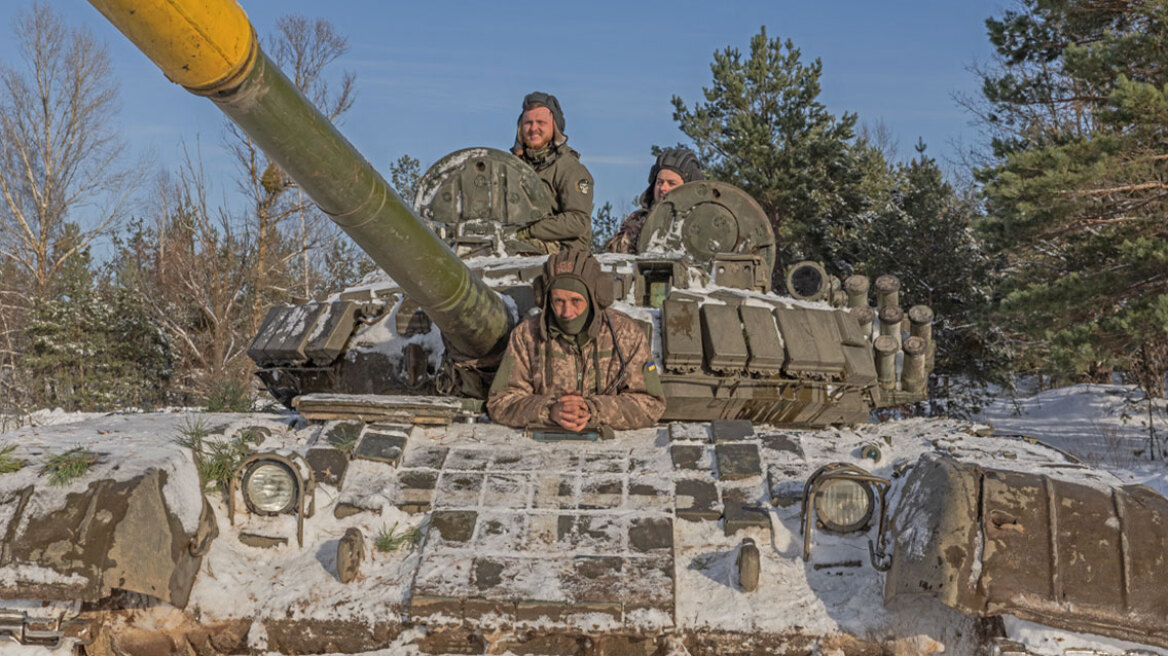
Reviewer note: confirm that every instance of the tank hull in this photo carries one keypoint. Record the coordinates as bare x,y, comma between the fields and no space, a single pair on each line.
632,544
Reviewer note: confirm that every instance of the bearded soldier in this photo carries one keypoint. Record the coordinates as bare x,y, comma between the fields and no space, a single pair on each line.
540,141
577,365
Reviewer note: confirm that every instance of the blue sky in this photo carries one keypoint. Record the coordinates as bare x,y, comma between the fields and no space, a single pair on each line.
434,76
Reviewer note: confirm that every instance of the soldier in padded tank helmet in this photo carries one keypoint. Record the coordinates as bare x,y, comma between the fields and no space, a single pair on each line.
540,141
579,364
673,168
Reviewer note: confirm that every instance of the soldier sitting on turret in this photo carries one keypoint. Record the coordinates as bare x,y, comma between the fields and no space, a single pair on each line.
540,141
578,365
673,168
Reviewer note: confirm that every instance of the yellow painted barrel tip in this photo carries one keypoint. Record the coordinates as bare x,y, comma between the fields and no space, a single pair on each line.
204,45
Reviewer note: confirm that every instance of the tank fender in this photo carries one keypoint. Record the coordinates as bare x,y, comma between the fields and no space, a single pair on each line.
114,534
1073,554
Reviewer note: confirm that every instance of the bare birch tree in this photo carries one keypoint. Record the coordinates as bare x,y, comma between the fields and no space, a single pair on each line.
58,152
60,184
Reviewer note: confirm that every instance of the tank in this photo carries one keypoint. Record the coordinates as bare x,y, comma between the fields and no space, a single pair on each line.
727,346
764,514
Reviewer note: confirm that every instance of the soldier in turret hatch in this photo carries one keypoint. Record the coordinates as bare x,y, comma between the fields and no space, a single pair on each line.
673,168
577,365
540,141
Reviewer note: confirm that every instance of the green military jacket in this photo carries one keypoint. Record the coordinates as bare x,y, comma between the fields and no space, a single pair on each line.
541,366
570,185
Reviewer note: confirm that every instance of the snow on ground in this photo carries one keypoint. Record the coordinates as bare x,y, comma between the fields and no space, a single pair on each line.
1096,423
44,418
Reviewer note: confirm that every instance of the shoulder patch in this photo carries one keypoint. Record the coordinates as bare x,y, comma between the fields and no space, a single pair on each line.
653,379
584,185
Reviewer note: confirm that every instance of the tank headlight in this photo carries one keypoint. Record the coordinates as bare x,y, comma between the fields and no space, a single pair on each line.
844,505
841,498
270,487
274,482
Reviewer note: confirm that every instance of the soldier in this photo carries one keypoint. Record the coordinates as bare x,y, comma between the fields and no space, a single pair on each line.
540,141
673,168
577,365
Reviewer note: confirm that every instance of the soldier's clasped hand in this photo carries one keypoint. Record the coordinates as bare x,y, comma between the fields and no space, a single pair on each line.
571,412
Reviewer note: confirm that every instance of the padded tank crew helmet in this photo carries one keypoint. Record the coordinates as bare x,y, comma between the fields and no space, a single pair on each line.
681,161
582,267
541,99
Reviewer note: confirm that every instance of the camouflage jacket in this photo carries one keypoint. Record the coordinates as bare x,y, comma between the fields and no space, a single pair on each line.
536,371
625,239
570,185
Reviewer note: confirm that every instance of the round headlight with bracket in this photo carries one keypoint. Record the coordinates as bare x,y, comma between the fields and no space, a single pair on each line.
273,483
270,487
844,505
841,498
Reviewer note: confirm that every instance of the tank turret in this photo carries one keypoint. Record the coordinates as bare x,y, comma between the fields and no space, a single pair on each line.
729,348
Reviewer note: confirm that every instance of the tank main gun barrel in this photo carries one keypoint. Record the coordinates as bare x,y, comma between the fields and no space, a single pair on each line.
210,47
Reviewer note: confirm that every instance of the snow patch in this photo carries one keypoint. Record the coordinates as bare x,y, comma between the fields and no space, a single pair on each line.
1094,422
182,491
1055,642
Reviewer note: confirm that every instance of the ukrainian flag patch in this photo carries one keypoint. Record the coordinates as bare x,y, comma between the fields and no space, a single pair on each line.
652,379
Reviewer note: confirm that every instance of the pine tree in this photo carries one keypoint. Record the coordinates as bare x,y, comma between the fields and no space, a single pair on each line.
59,354
1076,193
762,128
604,226
405,173
91,345
190,270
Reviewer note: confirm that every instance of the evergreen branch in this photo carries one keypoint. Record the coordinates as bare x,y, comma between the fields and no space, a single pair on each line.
1136,286
64,467
1122,189
1091,222
8,462
1115,219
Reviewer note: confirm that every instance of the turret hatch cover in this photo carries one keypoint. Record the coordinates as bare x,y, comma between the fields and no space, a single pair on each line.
705,218
479,196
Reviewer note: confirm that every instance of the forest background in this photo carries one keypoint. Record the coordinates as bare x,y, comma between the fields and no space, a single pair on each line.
1043,252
